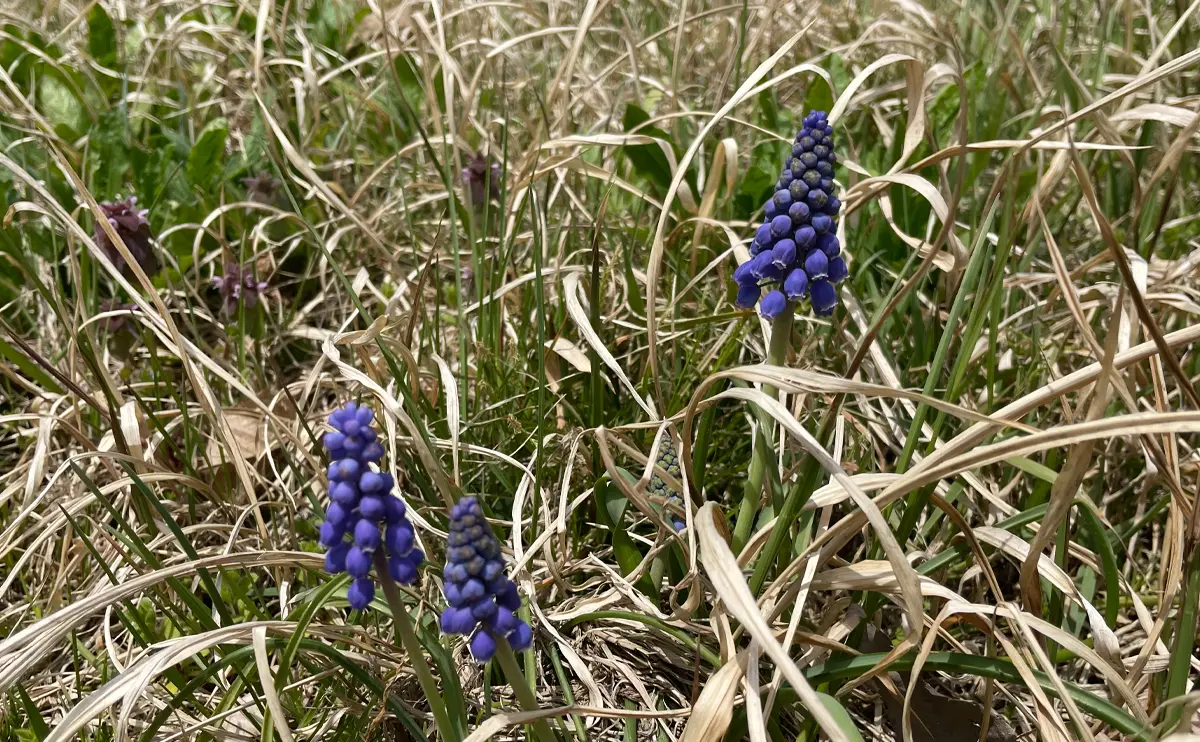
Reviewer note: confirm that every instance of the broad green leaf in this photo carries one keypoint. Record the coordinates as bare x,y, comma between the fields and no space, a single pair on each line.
108,156
770,110
102,36
59,105
28,367
647,159
204,161
36,723
410,80
614,504
841,716
818,97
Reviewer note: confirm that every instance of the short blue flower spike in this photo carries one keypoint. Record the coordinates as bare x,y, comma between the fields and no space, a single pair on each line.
483,602
363,515
668,459
796,252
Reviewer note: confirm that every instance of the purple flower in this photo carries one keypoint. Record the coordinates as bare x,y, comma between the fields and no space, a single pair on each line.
796,284
798,236
783,254
747,295
837,270
364,516
238,285
482,601
824,297
134,230
828,244
773,304
816,265
482,179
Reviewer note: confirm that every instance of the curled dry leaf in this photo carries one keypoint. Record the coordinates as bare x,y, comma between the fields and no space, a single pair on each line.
730,585
714,708
571,353
249,434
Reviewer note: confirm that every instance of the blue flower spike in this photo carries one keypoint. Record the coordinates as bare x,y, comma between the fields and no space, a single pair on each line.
483,602
668,459
363,516
799,232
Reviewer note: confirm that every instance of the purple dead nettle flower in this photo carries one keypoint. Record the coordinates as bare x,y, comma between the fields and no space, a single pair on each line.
363,509
483,601
796,253
481,176
261,188
134,230
239,285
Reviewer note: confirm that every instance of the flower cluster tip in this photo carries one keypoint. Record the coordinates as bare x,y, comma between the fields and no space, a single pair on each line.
483,602
363,515
795,252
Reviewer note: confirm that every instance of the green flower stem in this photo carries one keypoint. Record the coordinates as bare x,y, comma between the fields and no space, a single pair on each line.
781,341
658,568
520,686
406,636
1179,671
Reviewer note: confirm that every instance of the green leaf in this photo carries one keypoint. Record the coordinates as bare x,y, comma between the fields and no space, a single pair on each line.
648,159
841,717
819,96
614,504
108,156
1108,559
688,640
36,722
204,161
410,81
28,367
332,21
755,188
59,105
770,111
636,302
1029,466
102,36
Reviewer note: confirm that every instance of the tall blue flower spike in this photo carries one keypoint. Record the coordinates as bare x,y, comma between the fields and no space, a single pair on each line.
795,253
483,601
668,459
363,515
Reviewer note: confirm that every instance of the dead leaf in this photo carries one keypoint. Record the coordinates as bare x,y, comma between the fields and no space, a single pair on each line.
571,353
249,434
713,710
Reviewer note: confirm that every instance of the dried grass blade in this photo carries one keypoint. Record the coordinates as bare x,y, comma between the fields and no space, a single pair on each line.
723,570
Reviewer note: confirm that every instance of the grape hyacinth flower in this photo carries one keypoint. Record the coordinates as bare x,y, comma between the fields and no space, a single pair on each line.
668,459
795,253
134,230
238,285
363,515
482,178
483,602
